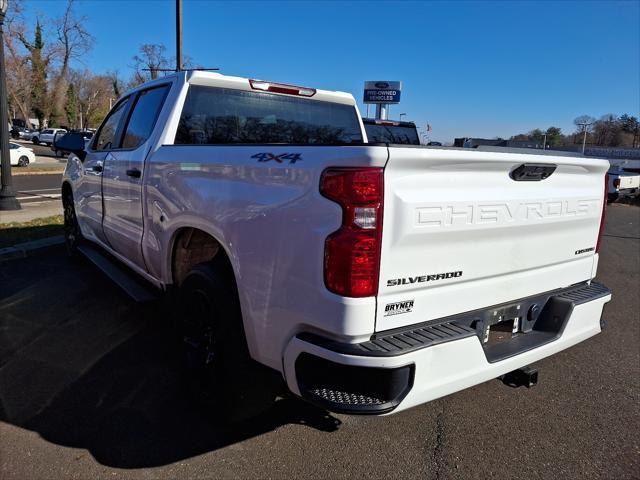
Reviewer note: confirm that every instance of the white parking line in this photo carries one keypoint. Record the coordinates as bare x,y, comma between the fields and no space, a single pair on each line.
34,197
40,190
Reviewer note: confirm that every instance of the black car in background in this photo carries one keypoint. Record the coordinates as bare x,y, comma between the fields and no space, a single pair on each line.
21,133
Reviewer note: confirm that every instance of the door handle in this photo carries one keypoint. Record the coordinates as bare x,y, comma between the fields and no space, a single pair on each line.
134,172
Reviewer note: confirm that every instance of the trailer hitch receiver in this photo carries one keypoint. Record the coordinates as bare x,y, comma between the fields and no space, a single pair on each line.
525,376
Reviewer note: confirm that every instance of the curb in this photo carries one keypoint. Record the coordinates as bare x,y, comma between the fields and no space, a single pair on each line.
23,250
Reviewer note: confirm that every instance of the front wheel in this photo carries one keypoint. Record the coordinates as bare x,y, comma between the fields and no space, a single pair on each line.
35,140
23,161
72,233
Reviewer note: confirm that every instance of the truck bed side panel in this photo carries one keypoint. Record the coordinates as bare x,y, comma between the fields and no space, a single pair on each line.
272,221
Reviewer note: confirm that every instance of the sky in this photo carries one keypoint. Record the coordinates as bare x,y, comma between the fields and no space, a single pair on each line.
468,68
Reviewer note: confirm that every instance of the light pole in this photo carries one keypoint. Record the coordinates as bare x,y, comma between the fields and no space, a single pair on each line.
402,115
544,143
584,130
178,35
8,199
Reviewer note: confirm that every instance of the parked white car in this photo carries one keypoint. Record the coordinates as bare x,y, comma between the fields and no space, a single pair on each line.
46,136
21,156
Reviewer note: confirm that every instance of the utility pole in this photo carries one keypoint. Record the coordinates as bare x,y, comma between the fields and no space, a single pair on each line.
584,138
178,35
8,199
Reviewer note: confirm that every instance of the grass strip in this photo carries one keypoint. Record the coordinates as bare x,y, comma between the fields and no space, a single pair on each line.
20,232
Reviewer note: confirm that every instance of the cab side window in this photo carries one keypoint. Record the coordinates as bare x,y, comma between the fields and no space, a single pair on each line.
144,116
106,136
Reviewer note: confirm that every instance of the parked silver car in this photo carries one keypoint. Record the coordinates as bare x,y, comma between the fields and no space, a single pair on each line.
46,136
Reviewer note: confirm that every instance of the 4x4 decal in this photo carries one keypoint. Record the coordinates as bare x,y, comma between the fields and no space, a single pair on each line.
267,157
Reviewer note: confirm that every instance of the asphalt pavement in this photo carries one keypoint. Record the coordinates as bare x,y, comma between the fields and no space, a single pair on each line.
90,388
37,188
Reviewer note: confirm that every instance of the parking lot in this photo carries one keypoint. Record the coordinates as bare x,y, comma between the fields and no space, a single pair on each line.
90,388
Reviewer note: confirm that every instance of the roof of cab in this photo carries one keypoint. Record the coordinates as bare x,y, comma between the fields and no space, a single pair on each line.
213,79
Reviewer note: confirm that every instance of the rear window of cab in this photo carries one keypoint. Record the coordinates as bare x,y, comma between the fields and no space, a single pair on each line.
213,115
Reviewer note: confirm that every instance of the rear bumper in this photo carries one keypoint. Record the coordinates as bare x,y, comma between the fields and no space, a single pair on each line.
360,379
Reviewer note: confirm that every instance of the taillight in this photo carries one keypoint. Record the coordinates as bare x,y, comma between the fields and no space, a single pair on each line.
616,183
352,253
604,207
282,88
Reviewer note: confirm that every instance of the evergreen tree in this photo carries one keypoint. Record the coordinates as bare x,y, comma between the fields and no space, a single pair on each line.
38,76
71,107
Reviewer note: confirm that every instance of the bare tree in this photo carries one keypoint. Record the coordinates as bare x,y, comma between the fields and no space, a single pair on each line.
584,123
17,64
72,42
150,60
93,94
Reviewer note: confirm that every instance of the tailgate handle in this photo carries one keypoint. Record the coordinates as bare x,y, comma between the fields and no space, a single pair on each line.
532,172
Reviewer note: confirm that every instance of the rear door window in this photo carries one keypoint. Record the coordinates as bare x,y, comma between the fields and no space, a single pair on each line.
144,116
222,116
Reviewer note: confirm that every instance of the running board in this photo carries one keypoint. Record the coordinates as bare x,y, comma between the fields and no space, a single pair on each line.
134,286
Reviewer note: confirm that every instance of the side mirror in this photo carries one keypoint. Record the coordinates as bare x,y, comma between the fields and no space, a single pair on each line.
70,142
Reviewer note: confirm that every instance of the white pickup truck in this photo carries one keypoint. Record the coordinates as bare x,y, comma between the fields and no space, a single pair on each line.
370,277
622,183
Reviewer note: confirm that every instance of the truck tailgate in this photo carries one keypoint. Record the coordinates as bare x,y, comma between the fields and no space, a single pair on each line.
459,233
628,181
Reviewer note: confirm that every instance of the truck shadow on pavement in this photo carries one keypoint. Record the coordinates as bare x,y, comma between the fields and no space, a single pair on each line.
86,368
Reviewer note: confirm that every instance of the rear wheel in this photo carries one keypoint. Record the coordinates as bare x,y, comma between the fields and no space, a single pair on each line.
35,140
221,377
23,161
72,233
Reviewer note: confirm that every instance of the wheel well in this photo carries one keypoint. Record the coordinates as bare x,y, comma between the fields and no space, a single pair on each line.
191,247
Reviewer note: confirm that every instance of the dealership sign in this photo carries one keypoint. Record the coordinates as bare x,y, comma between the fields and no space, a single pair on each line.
382,91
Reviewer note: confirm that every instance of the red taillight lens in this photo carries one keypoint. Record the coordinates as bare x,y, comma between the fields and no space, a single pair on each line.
352,253
604,207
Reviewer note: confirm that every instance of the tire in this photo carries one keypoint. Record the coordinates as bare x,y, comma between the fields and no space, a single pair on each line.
23,161
220,375
35,140
72,234
612,197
